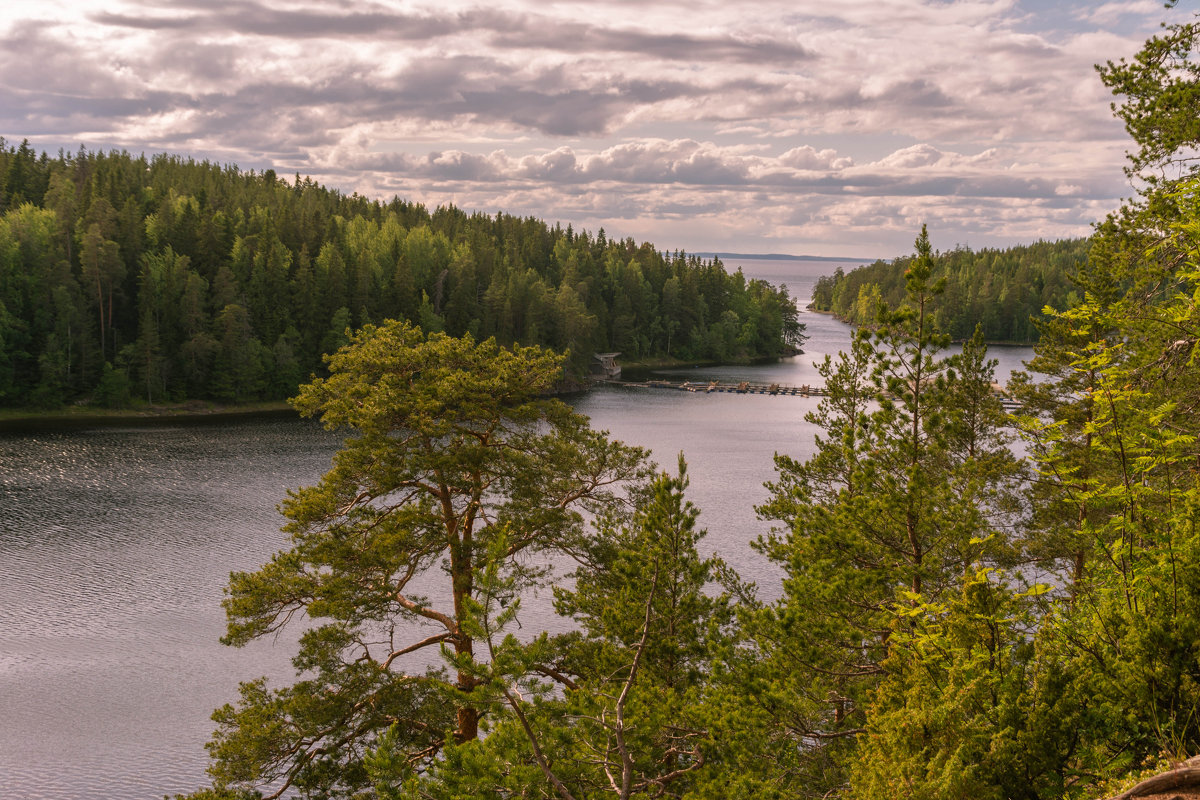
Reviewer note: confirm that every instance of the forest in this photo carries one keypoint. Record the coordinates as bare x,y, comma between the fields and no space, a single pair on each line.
960,617
1005,290
165,279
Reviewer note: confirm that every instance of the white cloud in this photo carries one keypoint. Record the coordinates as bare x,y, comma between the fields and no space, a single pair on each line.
809,158
919,155
723,122
1113,13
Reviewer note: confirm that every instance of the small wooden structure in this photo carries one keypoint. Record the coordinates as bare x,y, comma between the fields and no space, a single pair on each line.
775,389
606,366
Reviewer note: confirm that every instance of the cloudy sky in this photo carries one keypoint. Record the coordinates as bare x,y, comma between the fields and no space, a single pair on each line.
822,127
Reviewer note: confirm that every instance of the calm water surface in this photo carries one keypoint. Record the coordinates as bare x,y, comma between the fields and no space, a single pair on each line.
115,545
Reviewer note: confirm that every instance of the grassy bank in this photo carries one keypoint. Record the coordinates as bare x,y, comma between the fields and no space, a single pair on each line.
22,420
27,420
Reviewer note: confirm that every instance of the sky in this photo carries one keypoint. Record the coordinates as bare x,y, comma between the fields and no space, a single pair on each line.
814,127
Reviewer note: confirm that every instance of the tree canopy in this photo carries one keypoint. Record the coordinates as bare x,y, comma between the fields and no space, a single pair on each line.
1002,290
954,621
457,484
195,280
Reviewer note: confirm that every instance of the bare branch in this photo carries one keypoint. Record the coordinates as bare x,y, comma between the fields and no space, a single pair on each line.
441,637
562,790
554,674
428,613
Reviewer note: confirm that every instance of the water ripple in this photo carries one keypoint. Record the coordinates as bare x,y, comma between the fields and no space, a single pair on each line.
115,545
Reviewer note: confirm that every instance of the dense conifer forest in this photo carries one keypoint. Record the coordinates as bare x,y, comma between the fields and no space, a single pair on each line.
161,279
1005,290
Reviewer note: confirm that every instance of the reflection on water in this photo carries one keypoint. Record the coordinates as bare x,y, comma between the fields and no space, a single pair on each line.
115,545
114,548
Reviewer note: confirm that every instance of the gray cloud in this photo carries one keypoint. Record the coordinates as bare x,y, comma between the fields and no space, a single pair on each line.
508,31
639,166
802,121
261,20
149,23
917,94
545,34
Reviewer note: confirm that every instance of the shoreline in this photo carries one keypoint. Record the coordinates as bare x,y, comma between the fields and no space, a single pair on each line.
193,412
199,412
989,342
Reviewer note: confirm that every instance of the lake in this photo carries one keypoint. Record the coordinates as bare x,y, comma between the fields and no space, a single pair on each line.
116,543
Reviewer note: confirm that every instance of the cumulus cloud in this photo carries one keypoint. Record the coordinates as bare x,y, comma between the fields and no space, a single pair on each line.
1113,13
772,121
807,157
919,155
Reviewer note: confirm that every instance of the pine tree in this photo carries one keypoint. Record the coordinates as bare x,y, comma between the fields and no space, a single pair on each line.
908,488
456,474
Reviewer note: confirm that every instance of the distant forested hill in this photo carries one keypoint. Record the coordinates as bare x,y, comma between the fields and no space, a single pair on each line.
167,278
1002,289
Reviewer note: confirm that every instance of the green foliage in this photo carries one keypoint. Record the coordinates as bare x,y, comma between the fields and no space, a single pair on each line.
113,389
1003,291
622,715
1114,437
648,635
457,481
940,634
1066,689
101,250
911,484
1132,623
967,707
1160,87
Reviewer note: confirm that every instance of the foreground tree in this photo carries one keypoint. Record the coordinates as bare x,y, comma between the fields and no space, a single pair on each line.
1129,633
993,694
1120,453
456,469
613,709
911,484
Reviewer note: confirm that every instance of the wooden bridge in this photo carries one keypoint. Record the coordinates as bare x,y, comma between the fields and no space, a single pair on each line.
776,389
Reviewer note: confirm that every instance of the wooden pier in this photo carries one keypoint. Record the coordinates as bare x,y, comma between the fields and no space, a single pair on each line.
740,387
774,389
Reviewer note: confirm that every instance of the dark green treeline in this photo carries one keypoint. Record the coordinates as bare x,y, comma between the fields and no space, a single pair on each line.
165,279
1002,290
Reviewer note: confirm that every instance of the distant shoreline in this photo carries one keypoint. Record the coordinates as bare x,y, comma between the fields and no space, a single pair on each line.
26,421
990,342
195,412
783,257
